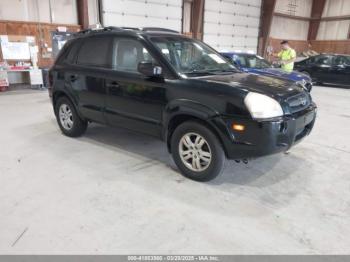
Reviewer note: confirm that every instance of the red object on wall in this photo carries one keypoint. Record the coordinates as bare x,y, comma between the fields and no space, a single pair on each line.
4,83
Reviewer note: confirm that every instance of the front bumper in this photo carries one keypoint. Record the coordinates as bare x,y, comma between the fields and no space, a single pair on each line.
262,138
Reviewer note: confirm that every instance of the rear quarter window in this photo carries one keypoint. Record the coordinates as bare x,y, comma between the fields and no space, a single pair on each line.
72,53
69,53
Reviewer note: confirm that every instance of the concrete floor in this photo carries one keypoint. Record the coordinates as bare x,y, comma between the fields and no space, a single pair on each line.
112,191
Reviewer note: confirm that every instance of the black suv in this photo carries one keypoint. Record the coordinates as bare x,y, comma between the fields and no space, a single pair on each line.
178,89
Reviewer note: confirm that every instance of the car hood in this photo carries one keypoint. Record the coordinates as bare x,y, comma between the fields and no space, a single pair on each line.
295,75
273,87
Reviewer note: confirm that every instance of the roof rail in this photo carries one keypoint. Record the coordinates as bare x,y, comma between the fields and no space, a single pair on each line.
158,29
115,28
130,28
84,31
111,28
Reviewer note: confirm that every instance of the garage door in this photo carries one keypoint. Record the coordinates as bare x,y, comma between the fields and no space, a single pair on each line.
232,25
142,13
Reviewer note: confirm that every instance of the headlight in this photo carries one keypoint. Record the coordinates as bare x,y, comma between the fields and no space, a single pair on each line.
261,106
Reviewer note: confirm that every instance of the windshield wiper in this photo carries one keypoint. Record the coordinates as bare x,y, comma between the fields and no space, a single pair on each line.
212,71
200,72
232,70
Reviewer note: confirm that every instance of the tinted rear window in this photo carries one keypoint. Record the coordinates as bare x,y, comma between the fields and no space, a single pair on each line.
95,52
68,53
72,52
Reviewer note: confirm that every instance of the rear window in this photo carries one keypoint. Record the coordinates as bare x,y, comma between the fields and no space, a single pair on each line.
72,52
95,52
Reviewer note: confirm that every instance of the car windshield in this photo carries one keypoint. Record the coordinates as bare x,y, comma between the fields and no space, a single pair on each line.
192,57
251,61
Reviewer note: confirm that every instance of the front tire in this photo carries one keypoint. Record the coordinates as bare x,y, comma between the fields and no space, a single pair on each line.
68,119
197,151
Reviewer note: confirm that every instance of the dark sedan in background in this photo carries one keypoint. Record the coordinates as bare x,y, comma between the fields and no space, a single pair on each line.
327,69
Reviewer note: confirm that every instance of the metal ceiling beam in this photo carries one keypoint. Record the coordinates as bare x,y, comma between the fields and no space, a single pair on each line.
336,18
303,18
295,17
267,11
316,15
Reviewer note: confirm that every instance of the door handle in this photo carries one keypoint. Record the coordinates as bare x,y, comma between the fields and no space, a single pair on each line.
113,85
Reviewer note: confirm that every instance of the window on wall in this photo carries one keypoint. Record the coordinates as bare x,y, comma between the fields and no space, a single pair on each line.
64,11
48,11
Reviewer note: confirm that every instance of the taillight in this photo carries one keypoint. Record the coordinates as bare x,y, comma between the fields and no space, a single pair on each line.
50,79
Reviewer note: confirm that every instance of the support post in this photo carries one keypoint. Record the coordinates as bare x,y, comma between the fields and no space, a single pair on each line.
83,13
267,11
316,15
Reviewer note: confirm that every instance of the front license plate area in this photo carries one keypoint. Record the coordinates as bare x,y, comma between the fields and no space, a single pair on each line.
309,118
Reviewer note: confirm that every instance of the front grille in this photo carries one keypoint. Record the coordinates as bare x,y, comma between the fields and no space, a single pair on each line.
298,102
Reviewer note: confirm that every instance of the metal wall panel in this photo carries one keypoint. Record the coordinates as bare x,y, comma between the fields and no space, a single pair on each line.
141,13
294,7
59,11
336,8
232,25
286,28
335,30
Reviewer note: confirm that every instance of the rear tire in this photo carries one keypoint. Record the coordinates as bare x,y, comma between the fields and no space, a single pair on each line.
197,151
68,119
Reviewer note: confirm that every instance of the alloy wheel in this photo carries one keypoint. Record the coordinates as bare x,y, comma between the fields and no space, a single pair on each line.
195,152
66,117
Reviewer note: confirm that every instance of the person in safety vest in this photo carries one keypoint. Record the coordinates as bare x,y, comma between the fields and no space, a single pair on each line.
286,56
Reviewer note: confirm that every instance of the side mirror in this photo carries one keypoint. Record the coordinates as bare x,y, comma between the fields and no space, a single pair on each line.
149,70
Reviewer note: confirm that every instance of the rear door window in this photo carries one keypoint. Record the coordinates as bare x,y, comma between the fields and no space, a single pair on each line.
95,52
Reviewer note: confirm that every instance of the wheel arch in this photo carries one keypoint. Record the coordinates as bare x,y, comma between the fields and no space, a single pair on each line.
182,111
60,93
